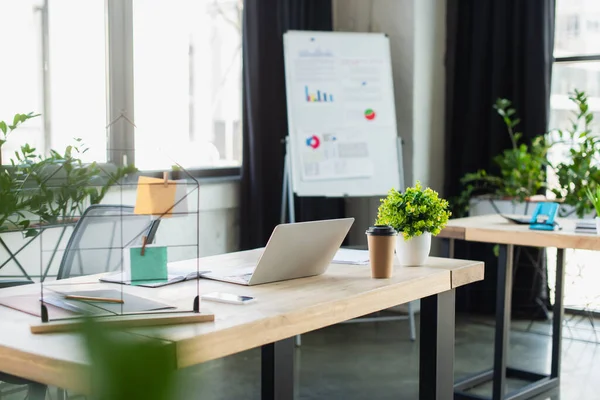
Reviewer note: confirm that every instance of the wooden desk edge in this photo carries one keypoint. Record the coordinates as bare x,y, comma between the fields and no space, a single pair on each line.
453,232
195,350
469,274
63,374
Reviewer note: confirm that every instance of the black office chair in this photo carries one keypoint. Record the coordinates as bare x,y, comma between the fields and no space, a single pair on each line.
100,235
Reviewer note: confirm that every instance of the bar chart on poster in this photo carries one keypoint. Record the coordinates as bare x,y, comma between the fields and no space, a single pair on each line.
342,134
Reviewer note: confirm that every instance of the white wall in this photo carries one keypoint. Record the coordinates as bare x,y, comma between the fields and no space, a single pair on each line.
429,92
417,39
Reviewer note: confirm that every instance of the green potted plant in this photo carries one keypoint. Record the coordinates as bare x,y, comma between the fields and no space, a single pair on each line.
6,129
580,169
594,197
417,214
522,168
50,189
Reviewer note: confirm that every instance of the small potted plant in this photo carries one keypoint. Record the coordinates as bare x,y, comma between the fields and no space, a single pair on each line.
416,214
594,198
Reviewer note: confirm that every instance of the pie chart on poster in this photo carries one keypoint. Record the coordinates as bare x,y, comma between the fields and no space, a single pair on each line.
313,141
370,114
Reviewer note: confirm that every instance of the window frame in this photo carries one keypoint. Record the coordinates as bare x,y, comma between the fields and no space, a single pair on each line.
119,92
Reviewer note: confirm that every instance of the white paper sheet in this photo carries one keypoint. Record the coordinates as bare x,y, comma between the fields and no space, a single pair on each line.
351,256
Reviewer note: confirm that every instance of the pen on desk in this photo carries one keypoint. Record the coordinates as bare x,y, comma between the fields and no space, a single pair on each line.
90,298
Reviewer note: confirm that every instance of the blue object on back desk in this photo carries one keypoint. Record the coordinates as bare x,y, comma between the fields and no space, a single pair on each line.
543,217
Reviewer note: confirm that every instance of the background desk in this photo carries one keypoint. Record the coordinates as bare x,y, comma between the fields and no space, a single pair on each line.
282,310
495,229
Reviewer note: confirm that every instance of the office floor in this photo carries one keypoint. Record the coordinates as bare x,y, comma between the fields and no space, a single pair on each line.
377,361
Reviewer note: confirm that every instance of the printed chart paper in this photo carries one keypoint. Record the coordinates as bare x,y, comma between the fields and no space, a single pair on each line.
334,155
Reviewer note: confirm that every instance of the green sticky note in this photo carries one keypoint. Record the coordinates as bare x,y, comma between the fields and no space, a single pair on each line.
150,267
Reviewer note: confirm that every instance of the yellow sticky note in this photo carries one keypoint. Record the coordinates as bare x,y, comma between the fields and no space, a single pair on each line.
154,197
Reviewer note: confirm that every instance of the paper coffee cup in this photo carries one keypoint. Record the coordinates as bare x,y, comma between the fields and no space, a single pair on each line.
382,241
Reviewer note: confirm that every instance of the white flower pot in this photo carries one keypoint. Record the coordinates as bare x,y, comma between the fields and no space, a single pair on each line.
413,252
597,225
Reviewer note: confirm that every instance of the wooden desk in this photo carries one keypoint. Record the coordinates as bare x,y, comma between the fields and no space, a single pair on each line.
282,310
496,229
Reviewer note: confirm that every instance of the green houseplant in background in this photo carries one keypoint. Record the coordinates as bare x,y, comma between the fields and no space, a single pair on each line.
66,185
580,170
6,129
53,188
522,167
14,206
416,214
594,198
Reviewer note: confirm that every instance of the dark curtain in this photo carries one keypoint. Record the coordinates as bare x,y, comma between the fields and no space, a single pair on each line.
265,115
496,49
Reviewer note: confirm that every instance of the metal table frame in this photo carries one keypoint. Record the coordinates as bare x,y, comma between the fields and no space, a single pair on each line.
501,371
436,355
12,255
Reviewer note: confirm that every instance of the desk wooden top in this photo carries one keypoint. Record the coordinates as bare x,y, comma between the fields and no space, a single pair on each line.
496,229
282,310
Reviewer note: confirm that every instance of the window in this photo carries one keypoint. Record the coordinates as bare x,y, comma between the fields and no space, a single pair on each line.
576,66
187,78
172,68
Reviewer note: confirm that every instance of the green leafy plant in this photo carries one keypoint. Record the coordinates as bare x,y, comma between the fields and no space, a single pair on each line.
594,198
6,129
522,167
581,170
12,203
13,206
68,185
414,212
48,189
125,367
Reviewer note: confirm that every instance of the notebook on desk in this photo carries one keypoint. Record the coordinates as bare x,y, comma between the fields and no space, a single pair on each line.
131,303
59,307
124,278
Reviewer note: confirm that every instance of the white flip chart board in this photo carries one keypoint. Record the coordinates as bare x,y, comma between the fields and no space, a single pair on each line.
343,138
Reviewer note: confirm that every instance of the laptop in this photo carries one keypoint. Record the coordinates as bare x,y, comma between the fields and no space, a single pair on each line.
295,250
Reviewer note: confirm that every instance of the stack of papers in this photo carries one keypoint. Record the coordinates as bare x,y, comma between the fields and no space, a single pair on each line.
585,226
350,256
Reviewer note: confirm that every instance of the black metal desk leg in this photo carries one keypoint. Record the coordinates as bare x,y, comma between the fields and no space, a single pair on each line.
436,348
558,313
277,370
503,301
448,248
36,391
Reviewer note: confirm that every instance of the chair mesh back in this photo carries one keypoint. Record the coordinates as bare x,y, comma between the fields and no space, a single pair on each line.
98,239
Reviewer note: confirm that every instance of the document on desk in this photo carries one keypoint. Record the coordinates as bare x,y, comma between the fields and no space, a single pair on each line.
351,256
59,307
124,278
131,303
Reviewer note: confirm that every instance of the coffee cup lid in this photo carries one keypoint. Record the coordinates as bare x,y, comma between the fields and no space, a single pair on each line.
381,230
